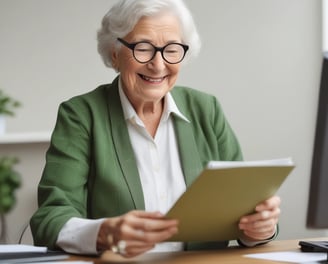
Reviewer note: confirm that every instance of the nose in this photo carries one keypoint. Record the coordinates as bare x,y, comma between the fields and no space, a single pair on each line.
157,63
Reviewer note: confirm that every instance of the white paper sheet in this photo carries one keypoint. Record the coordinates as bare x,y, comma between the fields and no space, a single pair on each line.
290,256
12,248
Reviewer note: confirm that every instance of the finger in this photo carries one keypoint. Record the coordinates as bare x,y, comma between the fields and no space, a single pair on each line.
149,230
262,215
269,204
265,234
259,227
137,251
148,221
144,214
159,236
134,248
130,232
148,236
140,223
157,225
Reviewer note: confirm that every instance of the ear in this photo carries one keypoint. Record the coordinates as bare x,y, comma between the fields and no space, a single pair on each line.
114,56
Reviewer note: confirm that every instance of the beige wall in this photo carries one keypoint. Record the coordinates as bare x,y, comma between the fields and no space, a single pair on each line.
260,58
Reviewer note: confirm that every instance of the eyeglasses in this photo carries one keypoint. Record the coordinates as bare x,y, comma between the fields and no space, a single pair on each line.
144,51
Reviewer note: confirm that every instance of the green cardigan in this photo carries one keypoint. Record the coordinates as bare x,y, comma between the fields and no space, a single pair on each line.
91,171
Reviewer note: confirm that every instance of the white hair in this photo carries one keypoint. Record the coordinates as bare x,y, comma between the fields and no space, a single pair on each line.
125,14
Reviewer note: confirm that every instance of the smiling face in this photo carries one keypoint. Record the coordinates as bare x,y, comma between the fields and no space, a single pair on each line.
148,83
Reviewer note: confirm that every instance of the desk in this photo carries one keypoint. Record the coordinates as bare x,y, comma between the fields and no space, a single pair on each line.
229,255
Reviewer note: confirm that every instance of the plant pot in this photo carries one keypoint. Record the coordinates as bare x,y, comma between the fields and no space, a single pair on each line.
2,125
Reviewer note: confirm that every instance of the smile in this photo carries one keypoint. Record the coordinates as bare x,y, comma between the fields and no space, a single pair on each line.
152,80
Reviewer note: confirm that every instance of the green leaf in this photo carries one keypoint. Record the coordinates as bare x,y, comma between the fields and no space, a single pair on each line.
8,104
10,180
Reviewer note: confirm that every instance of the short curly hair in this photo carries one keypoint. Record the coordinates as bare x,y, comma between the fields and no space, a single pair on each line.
124,15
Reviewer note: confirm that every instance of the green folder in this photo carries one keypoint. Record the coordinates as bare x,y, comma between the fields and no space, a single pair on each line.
211,207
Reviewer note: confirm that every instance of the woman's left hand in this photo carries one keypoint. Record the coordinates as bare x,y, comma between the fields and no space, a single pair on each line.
262,224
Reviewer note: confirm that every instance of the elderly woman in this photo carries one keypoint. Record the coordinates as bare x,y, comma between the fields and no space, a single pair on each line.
122,154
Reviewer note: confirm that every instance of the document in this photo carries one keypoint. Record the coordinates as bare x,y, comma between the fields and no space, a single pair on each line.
18,253
291,256
13,248
211,207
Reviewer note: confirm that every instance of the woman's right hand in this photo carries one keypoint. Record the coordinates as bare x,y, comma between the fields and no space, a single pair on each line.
138,231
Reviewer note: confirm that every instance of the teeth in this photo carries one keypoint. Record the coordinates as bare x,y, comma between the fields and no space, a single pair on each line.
152,79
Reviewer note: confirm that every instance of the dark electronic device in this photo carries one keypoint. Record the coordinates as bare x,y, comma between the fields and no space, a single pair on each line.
317,211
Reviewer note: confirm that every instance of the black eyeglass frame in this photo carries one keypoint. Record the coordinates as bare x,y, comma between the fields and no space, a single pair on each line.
131,46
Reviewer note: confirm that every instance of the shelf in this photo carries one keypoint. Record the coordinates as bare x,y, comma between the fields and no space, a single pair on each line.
28,137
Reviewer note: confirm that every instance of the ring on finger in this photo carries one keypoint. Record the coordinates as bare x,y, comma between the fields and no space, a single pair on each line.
114,248
121,246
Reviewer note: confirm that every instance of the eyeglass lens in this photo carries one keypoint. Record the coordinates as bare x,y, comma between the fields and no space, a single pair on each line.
172,53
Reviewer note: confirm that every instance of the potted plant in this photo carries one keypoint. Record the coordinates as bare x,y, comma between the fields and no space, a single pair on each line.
10,180
7,107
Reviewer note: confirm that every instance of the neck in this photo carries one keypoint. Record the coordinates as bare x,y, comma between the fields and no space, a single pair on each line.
150,114
150,109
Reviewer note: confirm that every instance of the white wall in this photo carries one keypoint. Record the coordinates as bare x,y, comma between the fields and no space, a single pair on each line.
260,58
325,25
